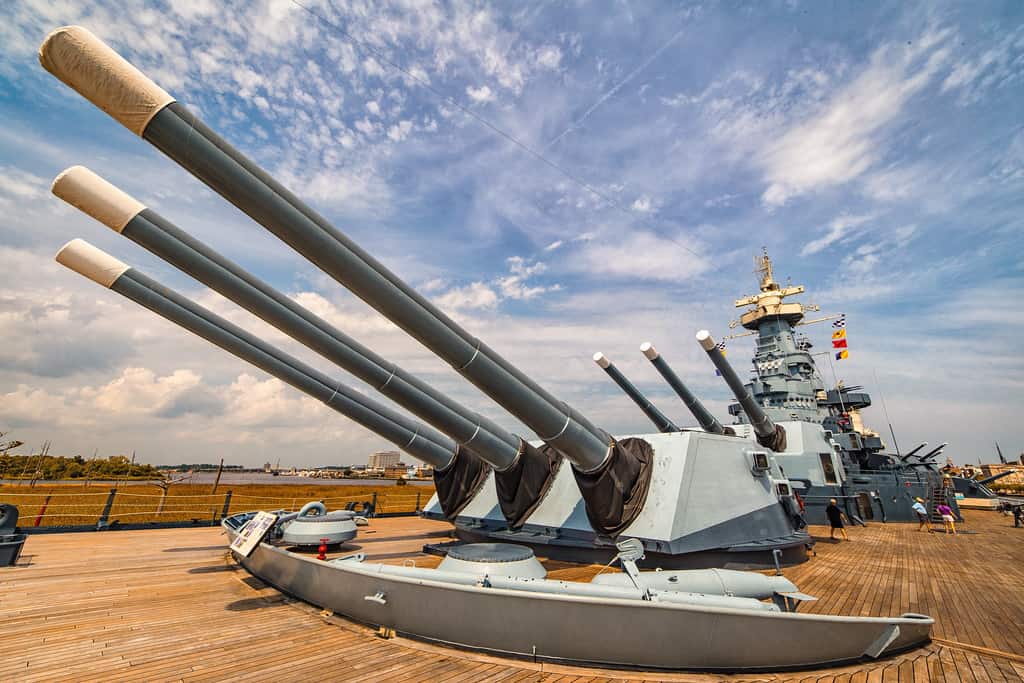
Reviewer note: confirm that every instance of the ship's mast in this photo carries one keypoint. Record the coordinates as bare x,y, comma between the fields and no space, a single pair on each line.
769,301
786,383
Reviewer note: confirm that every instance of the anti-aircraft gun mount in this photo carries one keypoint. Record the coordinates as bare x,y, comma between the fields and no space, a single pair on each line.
572,491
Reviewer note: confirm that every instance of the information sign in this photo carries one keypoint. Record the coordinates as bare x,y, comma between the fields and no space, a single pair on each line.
250,535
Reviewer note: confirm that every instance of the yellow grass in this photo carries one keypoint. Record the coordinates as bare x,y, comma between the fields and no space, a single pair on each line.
75,504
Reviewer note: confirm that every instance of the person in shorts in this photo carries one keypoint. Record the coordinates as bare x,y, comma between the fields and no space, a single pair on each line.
835,520
922,514
947,517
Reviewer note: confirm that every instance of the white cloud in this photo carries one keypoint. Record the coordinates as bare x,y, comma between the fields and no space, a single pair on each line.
477,295
487,295
481,94
844,138
17,185
892,184
548,57
399,131
139,391
514,286
643,205
433,285
366,126
998,66
837,230
554,245
640,254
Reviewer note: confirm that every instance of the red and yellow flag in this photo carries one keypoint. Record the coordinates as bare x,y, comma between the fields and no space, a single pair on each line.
838,343
839,334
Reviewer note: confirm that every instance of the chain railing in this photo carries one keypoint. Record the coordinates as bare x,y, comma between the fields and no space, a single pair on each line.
113,507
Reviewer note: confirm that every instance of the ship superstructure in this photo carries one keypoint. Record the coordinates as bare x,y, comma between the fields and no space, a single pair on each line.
786,382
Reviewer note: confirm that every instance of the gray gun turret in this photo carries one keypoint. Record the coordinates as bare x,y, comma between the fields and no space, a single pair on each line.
660,420
705,419
769,434
613,480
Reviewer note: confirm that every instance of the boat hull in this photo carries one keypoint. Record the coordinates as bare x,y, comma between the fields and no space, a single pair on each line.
584,630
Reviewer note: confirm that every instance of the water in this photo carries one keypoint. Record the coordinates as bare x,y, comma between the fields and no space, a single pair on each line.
228,478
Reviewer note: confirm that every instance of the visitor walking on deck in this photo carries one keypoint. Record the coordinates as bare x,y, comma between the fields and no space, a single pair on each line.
922,514
947,517
835,519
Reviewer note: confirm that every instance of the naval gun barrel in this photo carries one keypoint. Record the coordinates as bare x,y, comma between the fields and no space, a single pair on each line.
705,419
419,441
933,452
93,69
660,420
912,451
96,197
988,480
768,433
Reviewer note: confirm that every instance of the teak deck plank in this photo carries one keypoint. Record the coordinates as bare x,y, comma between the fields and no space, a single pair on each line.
170,604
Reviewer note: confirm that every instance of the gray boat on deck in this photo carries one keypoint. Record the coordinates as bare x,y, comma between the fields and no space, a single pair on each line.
582,623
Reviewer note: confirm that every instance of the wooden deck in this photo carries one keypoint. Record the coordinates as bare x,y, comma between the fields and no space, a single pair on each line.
170,605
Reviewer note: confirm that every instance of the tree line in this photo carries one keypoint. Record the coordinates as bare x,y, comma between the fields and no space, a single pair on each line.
59,467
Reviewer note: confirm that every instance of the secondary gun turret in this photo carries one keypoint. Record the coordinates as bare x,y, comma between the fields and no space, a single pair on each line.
660,420
911,452
933,453
705,419
769,434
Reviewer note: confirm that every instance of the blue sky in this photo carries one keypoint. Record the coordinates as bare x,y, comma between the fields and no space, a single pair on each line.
876,150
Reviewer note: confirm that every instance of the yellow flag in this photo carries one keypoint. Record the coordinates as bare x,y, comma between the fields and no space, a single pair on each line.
839,334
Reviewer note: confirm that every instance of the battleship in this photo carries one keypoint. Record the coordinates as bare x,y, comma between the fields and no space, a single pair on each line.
851,465
714,495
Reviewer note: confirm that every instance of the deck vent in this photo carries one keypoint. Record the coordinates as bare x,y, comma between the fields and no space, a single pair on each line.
493,559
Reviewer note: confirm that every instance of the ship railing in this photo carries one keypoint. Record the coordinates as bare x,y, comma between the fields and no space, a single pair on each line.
70,508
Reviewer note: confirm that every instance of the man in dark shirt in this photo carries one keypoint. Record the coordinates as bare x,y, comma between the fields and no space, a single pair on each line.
835,519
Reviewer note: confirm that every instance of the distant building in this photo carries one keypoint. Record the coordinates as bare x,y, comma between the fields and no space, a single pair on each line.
266,467
1016,478
381,460
396,471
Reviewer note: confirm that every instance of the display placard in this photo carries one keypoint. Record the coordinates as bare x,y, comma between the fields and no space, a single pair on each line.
250,535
